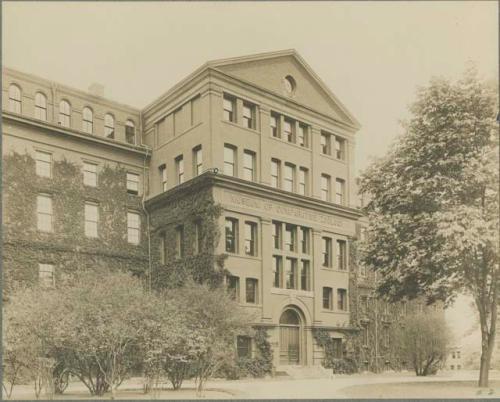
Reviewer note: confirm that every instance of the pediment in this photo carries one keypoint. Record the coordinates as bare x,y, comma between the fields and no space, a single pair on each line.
269,71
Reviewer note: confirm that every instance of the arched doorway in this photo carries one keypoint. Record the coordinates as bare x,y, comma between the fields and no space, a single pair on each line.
291,337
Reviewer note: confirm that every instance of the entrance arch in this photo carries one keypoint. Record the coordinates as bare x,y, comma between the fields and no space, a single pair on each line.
291,328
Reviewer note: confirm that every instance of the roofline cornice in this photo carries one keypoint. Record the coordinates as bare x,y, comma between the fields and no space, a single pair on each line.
83,95
209,178
136,149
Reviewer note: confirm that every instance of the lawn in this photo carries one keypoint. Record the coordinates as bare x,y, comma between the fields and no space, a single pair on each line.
434,389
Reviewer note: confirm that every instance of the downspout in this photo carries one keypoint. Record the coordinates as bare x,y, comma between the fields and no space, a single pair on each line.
148,228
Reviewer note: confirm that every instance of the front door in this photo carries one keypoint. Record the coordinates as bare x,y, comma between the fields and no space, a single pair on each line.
289,344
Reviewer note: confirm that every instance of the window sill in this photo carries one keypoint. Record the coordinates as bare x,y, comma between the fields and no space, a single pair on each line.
252,130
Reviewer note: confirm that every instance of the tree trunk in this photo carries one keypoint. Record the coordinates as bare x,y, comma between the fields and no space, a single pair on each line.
486,352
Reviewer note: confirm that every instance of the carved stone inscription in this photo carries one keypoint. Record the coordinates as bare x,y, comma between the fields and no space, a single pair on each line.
274,208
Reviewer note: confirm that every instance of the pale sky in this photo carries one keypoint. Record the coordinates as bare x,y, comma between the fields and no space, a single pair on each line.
372,55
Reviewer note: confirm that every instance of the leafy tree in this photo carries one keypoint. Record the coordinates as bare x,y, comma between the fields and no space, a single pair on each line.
214,320
28,328
433,213
423,340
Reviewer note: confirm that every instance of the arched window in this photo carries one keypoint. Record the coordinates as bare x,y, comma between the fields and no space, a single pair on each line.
130,132
88,120
15,99
64,113
109,126
40,106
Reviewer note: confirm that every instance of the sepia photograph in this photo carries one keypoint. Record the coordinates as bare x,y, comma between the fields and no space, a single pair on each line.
250,200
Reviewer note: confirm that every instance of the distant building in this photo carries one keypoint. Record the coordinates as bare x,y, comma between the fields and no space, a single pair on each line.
454,361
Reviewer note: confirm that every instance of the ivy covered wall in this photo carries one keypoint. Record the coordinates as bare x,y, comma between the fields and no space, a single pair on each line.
189,206
67,247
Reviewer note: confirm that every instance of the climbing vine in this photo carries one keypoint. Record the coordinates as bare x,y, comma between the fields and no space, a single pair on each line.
187,220
67,247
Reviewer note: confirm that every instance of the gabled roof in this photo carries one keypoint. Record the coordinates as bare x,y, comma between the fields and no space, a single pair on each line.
287,52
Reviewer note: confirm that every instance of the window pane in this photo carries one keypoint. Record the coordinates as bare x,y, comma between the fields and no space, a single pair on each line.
90,174
277,271
251,290
133,183
229,161
46,275
231,235
133,227
290,269
250,238
248,166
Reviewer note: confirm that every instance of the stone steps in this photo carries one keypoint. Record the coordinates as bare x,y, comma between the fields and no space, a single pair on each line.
303,372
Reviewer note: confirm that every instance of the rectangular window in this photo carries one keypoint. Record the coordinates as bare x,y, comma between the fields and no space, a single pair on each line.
365,336
198,237
229,160
244,346
248,115
302,182
251,290
342,299
277,235
289,177
179,168
43,161
179,241
339,148
46,275
233,287
327,251
231,235
337,348
132,183
91,219
325,187
163,176
275,125
90,174
305,235
290,237
249,165
326,144
163,250
288,130
305,275
229,104
339,191
44,212
327,298
133,227
277,271
275,173
341,254
290,273
250,238
198,160
302,136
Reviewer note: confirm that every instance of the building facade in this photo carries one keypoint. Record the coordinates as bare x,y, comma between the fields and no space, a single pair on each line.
243,172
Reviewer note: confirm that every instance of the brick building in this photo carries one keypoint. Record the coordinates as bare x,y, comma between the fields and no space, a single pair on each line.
242,172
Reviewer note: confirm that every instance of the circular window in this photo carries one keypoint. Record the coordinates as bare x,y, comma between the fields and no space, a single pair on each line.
290,84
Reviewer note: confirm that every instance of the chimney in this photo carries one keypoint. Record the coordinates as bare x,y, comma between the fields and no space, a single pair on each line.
96,89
